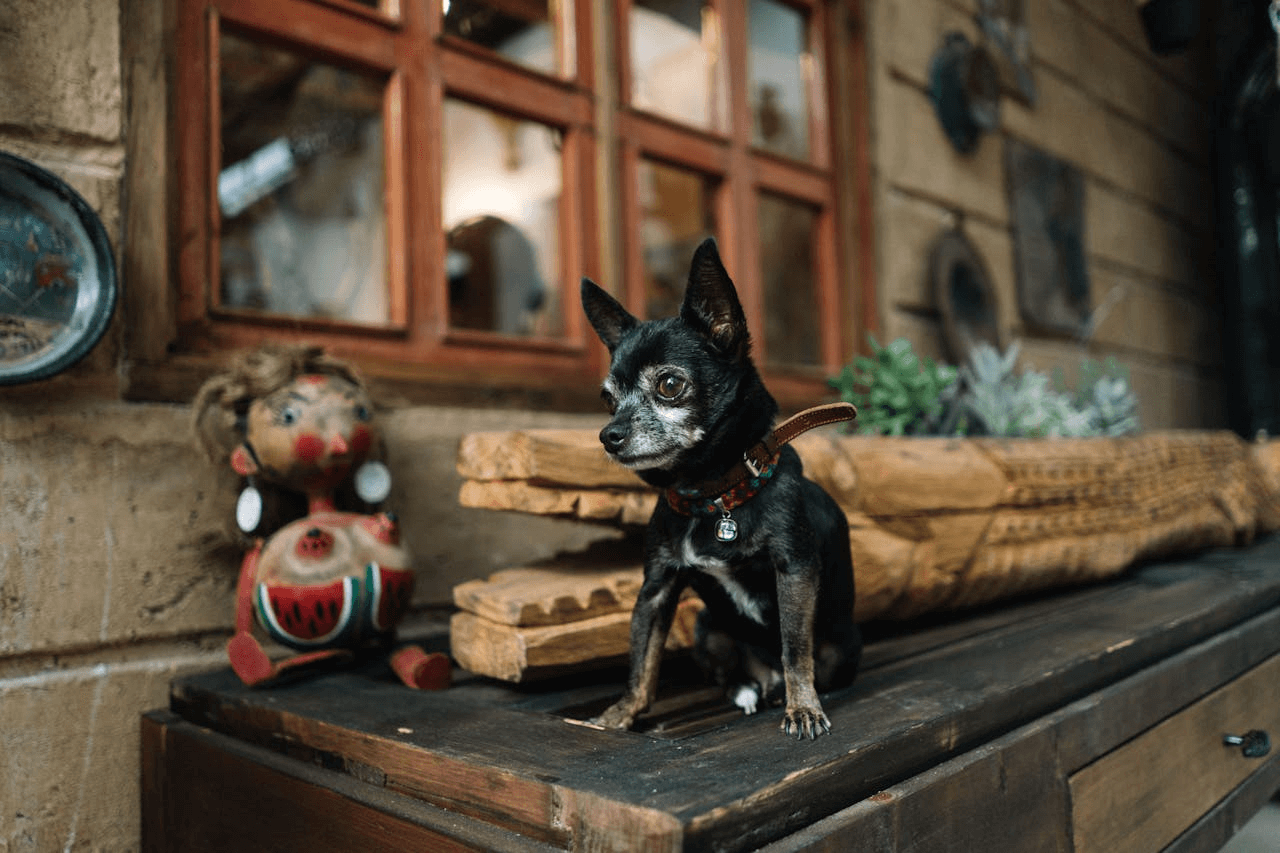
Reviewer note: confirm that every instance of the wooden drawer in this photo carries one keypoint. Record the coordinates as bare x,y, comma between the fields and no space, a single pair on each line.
1141,796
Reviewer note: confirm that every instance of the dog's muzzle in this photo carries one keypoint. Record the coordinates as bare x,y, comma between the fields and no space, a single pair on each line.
615,436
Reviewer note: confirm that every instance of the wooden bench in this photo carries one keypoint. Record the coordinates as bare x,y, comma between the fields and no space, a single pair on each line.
1083,720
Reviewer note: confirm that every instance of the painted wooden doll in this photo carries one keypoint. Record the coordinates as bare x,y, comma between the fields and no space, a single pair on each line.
291,420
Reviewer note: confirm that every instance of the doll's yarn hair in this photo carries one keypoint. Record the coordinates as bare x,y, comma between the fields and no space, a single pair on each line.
223,400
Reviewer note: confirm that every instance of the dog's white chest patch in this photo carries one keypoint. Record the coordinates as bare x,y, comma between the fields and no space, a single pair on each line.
722,573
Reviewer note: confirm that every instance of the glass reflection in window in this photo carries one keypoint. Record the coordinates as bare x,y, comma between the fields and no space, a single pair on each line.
301,186
676,214
788,235
780,70
675,62
522,31
502,188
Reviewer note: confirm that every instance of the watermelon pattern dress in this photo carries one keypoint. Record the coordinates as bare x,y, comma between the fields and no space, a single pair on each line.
333,580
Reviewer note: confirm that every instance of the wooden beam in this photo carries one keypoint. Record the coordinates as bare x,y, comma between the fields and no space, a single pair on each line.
549,596
571,457
944,523
519,654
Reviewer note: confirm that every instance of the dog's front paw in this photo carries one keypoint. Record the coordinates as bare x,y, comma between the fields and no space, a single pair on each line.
805,721
746,697
620,715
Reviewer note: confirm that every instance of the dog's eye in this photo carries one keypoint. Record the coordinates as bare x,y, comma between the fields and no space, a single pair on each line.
609,401
670,386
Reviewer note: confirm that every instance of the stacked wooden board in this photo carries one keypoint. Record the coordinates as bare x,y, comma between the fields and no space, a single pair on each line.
935,524
530,623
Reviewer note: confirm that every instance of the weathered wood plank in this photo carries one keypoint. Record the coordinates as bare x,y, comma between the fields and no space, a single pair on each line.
1212,832
528,653
567,456
482,749
1000,798
1063,741
613,507
250,798
911,476
1124,802
550,595
1113,716
947,523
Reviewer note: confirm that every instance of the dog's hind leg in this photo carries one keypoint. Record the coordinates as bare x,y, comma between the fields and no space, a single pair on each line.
748,681
715,652
763,683
835,662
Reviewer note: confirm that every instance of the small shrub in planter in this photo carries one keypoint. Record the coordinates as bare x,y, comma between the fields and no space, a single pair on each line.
897,393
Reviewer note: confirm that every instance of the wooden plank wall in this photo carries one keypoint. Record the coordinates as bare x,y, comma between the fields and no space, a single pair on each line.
1136,125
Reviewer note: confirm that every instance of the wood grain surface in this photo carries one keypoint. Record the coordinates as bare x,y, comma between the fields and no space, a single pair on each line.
698,775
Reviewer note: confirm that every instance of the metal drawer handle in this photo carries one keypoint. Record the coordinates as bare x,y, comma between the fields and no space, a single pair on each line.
1253,743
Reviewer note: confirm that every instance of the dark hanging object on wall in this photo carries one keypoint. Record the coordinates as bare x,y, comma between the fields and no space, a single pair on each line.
1046,202
1248,228
57,274
964,295
1004,25
1170,25
964,85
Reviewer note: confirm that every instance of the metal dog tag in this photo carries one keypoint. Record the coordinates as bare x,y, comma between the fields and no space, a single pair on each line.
726,527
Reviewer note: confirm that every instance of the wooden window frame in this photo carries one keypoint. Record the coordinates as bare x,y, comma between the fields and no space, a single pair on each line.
742,172
175,339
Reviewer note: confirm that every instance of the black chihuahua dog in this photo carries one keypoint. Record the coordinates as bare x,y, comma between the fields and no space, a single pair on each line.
766,549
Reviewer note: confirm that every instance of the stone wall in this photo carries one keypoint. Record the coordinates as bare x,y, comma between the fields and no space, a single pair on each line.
116,575
113,573
1137,126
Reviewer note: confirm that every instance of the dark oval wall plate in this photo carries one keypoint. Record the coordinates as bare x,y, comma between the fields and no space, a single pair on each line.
965,296
57,274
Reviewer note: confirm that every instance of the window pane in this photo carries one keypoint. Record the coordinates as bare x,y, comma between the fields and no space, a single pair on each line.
675,68
780,68
675,215
523,31
301,186
502,186
788,235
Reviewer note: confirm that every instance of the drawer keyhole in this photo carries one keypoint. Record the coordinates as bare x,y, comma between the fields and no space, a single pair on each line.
1253,743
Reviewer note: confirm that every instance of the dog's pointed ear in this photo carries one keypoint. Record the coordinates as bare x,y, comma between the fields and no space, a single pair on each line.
606,314
711,303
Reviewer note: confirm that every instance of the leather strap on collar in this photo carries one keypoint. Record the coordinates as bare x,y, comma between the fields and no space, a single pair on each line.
757,459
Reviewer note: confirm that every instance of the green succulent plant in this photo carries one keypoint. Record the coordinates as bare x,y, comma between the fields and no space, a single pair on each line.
995,400
896,392
1104,394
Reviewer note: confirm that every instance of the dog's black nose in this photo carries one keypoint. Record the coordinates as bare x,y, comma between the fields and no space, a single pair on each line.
614,437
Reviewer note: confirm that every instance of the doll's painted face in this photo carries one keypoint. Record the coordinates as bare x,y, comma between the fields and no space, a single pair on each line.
308,435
